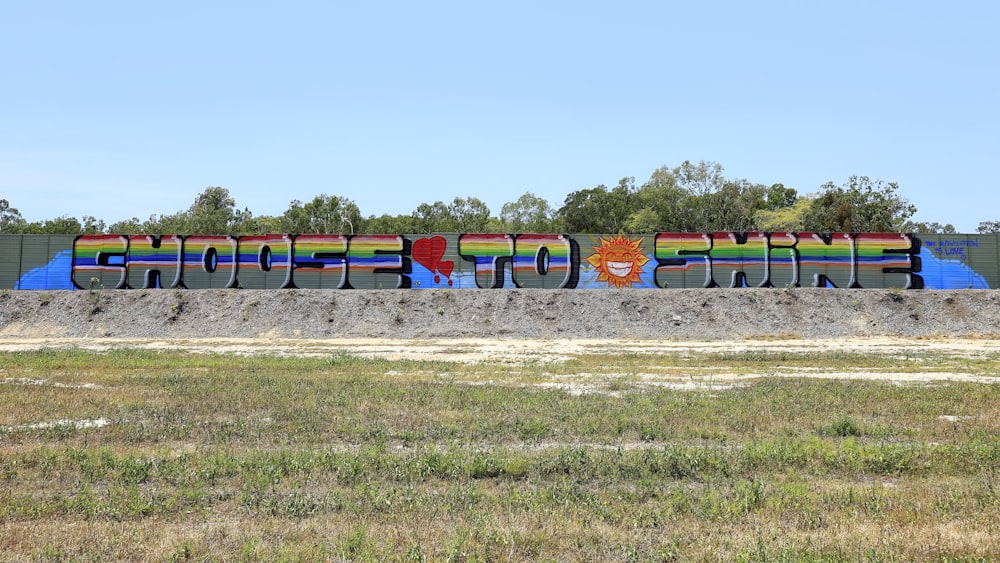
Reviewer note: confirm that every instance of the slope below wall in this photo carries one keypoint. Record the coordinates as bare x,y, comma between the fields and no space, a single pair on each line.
679,314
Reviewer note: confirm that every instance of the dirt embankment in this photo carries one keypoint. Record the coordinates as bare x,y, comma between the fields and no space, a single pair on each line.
674,314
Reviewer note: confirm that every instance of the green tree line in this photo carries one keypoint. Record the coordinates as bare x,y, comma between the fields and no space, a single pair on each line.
691,197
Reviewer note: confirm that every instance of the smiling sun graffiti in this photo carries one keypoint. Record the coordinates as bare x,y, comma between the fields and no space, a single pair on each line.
619,261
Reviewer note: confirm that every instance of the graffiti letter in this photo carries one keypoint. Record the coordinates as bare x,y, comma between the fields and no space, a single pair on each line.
320,261
745,256
826,259
549,261
99,260
682,257
783,261
265,261
376,261
209,262
884,260
154,261
489,252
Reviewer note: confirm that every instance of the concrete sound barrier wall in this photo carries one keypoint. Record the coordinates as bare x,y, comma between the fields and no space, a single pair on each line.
499,260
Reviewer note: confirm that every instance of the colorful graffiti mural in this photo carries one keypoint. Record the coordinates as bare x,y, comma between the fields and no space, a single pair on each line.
497,260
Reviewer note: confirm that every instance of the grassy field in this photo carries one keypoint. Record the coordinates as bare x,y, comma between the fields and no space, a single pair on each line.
172,456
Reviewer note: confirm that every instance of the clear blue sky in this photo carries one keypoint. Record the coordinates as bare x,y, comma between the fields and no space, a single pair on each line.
121,109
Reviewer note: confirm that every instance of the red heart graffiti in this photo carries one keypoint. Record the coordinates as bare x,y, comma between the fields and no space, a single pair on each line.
428,252
446,267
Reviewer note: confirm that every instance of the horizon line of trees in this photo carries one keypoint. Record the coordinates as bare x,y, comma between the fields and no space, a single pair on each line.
687,198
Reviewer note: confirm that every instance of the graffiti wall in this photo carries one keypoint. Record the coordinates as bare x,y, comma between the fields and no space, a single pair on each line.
491,261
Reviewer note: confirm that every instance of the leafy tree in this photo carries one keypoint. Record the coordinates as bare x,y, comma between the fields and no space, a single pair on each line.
262,225
471,215
212,213
715,203
391,224
131,226
622,204
582,209
699,179
780,197
932,227
64,225
600,210
529,214
644,220
324,214
698,197
296,219
696,182
10,218
861,205
244,223
732,207
660,204
93,225
466,215
785,219
173,224
988,227
433,217
495,225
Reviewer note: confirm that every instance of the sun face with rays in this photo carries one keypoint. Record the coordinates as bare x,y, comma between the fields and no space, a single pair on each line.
619,261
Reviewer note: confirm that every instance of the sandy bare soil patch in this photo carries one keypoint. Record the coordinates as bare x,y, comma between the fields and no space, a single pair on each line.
547,351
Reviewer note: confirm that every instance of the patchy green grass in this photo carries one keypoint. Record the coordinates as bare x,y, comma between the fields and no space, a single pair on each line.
220,457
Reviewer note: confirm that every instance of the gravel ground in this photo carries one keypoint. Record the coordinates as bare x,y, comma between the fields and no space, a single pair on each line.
675,314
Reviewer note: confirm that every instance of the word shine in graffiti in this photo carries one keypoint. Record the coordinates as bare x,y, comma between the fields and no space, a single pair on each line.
488,261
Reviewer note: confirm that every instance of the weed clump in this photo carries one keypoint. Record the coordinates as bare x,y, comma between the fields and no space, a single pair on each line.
842,428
